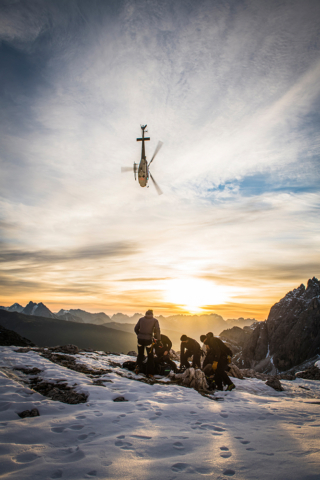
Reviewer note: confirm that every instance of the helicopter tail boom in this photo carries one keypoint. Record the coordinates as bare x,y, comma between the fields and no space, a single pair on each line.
141,139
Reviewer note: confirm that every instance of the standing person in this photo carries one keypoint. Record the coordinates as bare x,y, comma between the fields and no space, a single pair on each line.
162,350
189,347
147,328
217,356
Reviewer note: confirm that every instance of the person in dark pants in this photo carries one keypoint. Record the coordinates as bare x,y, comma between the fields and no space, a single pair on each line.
147,328
217,357
189,348
162,350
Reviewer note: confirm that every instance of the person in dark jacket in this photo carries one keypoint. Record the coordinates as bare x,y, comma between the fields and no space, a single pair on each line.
217,358
189,348
162,350
147,328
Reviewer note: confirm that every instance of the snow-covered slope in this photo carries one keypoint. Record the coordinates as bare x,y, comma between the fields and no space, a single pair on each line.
160,431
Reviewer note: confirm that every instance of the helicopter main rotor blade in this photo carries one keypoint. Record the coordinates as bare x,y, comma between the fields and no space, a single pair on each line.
127,169
160,192
156,150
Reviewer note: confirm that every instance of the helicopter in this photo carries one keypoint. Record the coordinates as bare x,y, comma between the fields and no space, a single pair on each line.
142,170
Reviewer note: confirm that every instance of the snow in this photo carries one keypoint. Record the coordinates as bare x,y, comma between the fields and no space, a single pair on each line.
317,364
163,431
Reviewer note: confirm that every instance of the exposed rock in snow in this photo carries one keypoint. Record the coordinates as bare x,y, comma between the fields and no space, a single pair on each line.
274,382
29,413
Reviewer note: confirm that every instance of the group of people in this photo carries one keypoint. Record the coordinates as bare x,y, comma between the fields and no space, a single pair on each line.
216,354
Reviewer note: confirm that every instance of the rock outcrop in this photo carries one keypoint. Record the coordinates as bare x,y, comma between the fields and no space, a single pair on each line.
289,336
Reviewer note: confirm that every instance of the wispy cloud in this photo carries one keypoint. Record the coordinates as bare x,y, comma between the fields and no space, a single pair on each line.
233,90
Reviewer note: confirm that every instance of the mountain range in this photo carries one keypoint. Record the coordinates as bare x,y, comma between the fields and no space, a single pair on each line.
173,326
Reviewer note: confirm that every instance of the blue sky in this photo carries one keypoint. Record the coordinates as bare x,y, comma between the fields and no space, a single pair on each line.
231,88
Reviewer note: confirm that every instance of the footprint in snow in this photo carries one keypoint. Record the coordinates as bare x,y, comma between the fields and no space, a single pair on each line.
58,429
106,463
25,457
229,472
224,415
56,474
123,445
238,438
76,427
186,468
244,442
66,455
250,449
92,473
143,437
84,436
98,414
178,445
80,417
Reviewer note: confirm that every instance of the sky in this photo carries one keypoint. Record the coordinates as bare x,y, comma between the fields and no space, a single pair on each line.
231,88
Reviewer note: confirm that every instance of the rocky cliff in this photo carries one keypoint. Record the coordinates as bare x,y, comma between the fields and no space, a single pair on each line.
289,336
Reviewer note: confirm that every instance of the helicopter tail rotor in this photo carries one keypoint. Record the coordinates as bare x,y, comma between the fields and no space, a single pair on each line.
159,191
156,151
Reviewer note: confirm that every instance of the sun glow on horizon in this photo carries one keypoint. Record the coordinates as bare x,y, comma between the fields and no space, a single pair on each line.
193,294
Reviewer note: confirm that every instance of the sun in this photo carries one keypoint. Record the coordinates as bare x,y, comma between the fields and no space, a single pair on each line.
194,293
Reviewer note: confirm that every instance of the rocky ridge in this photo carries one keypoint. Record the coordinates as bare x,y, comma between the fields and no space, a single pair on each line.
289,336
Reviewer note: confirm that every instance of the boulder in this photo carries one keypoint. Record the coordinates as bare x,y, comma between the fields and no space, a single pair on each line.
235,372
312,373
132,353
274,382
29,413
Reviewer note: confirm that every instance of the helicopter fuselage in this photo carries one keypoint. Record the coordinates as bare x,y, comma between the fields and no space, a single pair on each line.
143,171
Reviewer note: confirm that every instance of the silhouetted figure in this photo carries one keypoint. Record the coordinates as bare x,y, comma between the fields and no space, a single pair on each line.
217,357
147,328
162,350
189,348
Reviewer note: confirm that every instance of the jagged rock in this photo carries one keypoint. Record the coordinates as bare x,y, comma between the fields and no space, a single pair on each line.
132,353
29,413
194,378
120,399
290,335
312,373
274,382
235,372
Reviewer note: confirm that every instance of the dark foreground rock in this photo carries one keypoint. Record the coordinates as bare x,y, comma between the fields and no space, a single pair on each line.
29,413
274,383
312,373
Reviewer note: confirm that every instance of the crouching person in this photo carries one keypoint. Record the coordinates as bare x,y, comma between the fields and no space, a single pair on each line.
189,348
217,360
147,328
162,350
